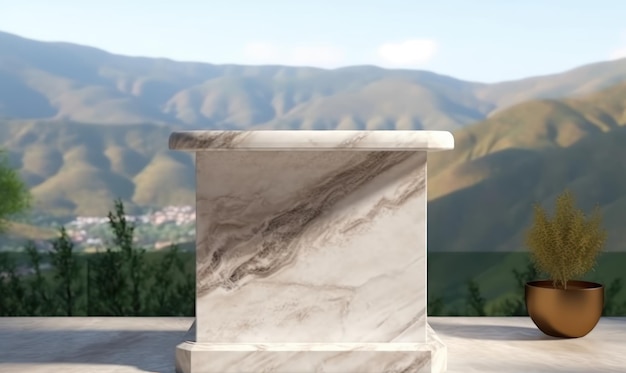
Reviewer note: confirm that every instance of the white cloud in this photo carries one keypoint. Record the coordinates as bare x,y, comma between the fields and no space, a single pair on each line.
319,55
619,52
260,51
316,55
412,52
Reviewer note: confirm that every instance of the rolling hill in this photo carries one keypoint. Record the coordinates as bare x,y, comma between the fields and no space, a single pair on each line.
528,154
75,168
84,127
480,194
68,82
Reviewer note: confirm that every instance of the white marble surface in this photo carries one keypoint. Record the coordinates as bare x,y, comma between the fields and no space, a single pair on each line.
313,357
312,140
90,344
127,345
311,247
514,344
309,237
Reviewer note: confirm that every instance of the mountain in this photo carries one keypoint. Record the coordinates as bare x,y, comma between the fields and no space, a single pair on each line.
528,154
75,168
532,125
62,81
480,194
84,127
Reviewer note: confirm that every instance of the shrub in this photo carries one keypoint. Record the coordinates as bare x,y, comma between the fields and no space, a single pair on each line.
565,246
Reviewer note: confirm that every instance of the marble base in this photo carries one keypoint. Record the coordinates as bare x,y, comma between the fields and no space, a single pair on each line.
429,357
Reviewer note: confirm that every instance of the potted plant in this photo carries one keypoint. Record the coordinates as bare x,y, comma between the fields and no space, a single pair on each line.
565,247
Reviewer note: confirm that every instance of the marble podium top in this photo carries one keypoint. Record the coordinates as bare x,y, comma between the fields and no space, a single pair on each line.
312,140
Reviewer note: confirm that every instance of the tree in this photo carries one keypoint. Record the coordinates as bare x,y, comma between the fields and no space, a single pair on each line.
38,300
436,307
108,297
516,306
133,264
161,291
475,302
66,273
120,271
185,295
15,195
125,280
12,289
611,308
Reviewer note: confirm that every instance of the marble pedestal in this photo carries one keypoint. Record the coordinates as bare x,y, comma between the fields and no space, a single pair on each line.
311,252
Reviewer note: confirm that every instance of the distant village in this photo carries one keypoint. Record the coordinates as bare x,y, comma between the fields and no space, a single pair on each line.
181,219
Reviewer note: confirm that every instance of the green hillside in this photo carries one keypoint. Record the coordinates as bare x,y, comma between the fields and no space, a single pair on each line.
449,272
522,130
84,127
526,154
480,194
80,169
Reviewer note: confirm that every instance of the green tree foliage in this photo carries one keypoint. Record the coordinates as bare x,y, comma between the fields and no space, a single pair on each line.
14,195
163,295
166,288
131,269
120,281
106,284
63,282
66,273
436,307
38,296
516,305
565,246
611,307
12,289
475,301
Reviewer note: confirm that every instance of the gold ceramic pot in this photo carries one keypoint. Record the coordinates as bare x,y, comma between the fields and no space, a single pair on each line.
570,313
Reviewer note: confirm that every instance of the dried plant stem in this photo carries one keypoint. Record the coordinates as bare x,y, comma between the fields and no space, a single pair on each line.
566,245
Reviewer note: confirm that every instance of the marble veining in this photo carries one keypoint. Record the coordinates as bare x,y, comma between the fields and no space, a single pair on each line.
311,247
514,344
314,357
145,344
312,140
311,252
272,236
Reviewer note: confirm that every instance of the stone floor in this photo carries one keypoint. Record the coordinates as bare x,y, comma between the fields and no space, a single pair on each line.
475,344
514,344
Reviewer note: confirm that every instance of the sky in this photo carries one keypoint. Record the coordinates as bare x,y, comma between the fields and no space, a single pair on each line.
478,40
